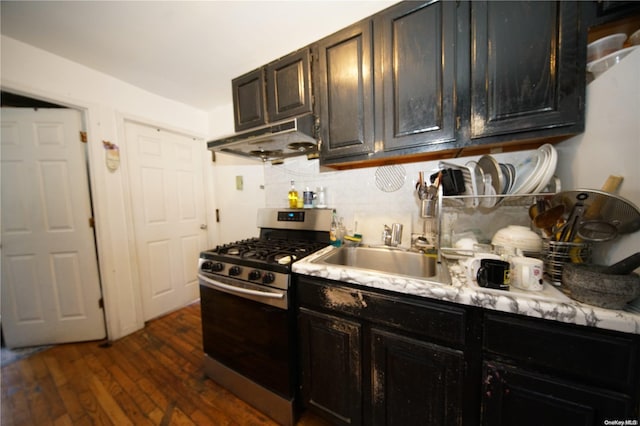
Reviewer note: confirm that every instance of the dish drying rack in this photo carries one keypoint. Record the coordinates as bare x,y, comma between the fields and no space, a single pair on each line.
489,183
456,218
471,193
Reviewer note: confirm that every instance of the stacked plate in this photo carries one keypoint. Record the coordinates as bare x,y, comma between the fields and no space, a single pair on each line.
489,178
535,172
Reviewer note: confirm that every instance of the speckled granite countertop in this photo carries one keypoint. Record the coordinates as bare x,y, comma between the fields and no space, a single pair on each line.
550,303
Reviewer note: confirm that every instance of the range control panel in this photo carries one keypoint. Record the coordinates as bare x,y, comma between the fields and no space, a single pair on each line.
291,216
298,219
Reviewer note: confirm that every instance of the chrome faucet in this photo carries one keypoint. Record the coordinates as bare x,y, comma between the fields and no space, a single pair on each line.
392,236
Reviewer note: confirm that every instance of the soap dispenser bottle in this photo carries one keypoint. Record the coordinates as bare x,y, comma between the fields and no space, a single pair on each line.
293,196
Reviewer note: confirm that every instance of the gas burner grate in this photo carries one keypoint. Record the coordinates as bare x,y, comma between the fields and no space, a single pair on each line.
275,251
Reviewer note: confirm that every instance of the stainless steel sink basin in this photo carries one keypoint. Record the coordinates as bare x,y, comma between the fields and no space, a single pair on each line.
388,261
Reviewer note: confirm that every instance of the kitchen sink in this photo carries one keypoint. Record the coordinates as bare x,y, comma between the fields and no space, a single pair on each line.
388,261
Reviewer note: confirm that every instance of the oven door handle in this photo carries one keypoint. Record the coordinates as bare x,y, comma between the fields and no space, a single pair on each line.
240,290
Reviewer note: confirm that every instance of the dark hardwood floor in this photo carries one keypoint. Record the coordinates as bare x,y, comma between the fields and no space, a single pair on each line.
151,377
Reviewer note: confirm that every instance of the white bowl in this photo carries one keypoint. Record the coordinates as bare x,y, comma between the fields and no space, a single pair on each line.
634,39
519,238
605,46
601,65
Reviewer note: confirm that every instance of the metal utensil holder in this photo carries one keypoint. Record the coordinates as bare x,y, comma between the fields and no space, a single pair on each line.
557,253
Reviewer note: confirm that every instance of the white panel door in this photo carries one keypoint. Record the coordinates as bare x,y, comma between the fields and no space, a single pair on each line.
50,283
167,190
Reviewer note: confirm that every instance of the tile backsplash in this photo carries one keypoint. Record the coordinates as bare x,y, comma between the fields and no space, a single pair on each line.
366,198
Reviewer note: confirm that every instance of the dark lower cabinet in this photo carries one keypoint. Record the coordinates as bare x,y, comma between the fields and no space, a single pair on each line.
378,359
515,396
373,357
538,372
331,366
415,381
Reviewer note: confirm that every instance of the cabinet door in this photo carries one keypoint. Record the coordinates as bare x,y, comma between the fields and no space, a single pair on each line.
414,382
345,92
512,396
527,67
248,100
417,65
330,349
289,86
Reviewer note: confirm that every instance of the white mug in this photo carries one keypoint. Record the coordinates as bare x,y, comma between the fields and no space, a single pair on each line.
526,273
472,265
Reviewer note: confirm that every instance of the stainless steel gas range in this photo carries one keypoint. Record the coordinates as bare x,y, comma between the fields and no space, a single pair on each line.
248,324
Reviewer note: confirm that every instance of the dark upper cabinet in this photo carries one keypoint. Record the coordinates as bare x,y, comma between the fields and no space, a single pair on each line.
451,76
344,83
279,90
527,68
416,74
249,102
289,86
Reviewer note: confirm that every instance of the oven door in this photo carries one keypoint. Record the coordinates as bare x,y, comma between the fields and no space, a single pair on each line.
242,329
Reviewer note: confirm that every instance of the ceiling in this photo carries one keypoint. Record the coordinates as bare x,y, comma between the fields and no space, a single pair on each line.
187,51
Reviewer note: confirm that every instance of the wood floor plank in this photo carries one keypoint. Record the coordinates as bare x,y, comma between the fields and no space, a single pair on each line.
36,384
108,404
72,404
178,418
63,420
152,377
140,398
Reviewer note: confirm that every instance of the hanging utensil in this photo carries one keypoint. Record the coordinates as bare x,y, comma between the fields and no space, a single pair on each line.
539,206
625,266
568,232
549,218
610,186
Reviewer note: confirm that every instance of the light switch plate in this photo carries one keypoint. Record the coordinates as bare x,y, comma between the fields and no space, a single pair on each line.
239,183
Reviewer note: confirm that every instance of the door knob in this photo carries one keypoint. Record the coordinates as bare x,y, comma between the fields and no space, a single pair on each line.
203,226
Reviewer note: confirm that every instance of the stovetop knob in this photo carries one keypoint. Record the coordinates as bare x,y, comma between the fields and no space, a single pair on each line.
268,278
255,275
212,266
235,270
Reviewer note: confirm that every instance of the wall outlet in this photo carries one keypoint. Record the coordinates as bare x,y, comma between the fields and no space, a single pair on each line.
239,183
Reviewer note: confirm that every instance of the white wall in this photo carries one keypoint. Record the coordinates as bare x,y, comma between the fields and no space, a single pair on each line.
610,145
107,102
238,209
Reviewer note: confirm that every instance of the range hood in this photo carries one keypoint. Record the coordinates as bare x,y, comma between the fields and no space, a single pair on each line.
273,142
